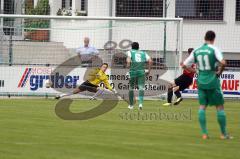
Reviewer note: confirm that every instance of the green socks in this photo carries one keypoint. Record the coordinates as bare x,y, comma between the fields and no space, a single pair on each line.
202,120
140,96
140,81
221,116
131,96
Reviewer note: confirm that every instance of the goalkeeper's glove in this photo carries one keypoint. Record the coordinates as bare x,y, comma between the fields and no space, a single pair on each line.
114,91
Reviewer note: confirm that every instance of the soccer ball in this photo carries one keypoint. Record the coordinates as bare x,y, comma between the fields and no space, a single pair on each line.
48,83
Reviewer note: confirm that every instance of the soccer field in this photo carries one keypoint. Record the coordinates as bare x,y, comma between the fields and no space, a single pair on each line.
30,129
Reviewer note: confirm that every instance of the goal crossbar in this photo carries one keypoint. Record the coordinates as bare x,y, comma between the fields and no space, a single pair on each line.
89,17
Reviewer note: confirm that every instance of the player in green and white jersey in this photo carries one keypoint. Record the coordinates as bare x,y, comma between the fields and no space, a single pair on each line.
210,64
136,61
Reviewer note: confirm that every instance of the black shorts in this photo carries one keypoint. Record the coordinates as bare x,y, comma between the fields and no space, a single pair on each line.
183,82
88,86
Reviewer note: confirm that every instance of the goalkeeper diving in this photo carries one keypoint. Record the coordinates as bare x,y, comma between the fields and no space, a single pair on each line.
95,77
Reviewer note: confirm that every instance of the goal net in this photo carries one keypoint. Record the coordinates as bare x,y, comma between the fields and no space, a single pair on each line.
33,47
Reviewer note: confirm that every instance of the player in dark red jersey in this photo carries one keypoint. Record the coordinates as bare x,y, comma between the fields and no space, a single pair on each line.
180,83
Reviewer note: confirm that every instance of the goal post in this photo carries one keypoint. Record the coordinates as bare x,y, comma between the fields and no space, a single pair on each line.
32,46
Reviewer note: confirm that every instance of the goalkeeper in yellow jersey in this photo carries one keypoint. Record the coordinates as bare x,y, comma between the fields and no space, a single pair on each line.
94,78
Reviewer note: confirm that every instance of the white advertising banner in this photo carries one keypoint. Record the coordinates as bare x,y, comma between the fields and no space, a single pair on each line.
31,80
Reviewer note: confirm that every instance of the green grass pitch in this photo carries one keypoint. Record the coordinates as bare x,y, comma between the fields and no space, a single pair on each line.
30,129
